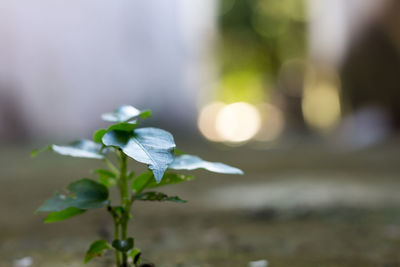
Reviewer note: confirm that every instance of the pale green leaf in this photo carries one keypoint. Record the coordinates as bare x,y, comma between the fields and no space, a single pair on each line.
125,113
190,162
151,146
81,149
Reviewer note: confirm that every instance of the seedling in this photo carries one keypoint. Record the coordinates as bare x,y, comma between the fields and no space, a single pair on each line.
122,141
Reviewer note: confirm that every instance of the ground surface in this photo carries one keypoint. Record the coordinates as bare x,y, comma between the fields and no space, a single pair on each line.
298,205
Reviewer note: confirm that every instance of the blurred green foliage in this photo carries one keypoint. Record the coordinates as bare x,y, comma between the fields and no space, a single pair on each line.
256,38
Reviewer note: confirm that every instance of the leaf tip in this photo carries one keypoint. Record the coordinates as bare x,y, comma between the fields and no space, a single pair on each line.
158,175
239,172
98,135
145,114
34,153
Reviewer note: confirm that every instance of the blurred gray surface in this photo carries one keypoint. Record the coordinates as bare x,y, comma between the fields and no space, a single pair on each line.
303,205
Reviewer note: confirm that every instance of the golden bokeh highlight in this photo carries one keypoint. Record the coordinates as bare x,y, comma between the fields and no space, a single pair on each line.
321,105
238,122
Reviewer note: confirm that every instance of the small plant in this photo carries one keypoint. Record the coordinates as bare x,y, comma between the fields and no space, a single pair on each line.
123,140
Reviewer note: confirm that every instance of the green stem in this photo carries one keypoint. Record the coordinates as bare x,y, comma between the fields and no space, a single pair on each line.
111,167
126,203
116,235
123,182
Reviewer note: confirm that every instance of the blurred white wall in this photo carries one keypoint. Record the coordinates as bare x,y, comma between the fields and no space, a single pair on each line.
334,24
62,63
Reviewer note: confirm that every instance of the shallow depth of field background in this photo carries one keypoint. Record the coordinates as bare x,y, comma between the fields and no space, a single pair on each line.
303,95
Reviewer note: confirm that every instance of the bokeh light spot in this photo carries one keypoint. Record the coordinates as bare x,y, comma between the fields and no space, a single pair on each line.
321,105
238,122
207,121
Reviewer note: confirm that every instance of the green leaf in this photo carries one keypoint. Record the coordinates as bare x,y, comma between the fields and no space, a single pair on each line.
145,113
178,152
142,180
102,172
84,194
125,113
106,177
135,255
170,178
157,196
81,149
147,180
190,162
123,126
123,245
96,249
98,135
107,181
35,152
57,216
130,175
151,146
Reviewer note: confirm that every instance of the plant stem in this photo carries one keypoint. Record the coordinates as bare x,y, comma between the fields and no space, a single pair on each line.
111,166
124,188
126,203
116,235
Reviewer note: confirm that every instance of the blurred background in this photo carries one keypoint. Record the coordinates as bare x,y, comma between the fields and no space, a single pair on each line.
303,95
